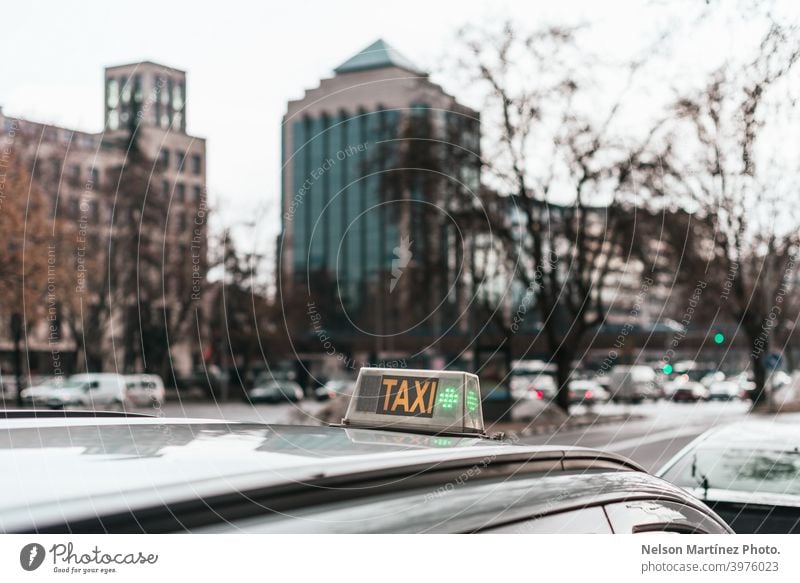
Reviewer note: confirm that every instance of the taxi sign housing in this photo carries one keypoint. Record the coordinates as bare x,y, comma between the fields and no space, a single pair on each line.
430,401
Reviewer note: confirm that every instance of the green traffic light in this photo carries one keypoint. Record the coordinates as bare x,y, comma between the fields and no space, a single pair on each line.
719,338
667,369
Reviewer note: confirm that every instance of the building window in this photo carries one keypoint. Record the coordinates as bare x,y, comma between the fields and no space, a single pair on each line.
163,158
180,192
180,158
177,96
113,119
95,173
197,164
165,188
198,194
75,171
182,222
112,90
137,88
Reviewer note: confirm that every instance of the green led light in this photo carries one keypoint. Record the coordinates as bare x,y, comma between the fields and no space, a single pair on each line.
472,401
719,338
442,441
667,369
448,398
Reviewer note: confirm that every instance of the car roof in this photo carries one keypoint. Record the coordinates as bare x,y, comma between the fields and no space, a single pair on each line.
71,467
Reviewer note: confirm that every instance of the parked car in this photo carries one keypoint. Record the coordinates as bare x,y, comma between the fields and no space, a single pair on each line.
725,391
587,392
145,389
333,389
268,376
784,390
748,472
533,386
211,379
89,390
686,390
713,377
40,392
746,383
275,392
634,383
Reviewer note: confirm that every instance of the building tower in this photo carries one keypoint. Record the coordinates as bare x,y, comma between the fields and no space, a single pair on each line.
361,228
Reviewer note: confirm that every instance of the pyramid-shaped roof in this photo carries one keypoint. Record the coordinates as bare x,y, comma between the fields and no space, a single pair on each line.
378,55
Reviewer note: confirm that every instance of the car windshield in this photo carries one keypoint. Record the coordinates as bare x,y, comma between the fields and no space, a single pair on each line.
745,470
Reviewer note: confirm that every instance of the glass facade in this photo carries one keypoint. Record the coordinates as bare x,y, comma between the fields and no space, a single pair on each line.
351,201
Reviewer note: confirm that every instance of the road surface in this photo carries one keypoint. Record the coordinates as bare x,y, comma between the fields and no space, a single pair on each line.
666,428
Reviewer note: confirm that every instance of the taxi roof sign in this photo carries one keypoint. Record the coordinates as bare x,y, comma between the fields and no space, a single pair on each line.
432,401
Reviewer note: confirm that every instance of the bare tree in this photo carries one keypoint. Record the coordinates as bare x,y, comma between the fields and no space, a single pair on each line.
742,235
573,182
28,270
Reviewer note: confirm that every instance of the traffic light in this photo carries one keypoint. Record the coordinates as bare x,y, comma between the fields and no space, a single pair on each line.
719,338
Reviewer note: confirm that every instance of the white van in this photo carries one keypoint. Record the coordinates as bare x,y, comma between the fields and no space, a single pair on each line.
145,389
634,383
89,391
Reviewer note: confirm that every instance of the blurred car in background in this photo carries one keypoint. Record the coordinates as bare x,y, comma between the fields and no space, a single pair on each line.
587,392
533,379
210,379
333,389
275,392
145,389
784,388
540,386
686,390
748,472
713,377
8,384
634,383
39,393
725,391
746,383
266,376
89,390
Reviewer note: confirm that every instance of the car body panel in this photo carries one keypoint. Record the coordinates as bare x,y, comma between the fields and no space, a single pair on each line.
62,470
768,484
471,507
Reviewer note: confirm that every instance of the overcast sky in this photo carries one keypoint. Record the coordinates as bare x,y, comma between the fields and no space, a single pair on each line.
244,61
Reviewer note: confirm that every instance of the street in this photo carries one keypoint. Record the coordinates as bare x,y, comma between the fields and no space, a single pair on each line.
651,441
667,427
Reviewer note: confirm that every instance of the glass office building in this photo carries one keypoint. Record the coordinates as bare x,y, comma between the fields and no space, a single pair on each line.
362,217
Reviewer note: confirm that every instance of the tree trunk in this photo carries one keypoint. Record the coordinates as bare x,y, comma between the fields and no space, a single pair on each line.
563,358
759,349
759,395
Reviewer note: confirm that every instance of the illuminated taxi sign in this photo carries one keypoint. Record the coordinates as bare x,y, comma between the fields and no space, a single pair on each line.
409,396
420,400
